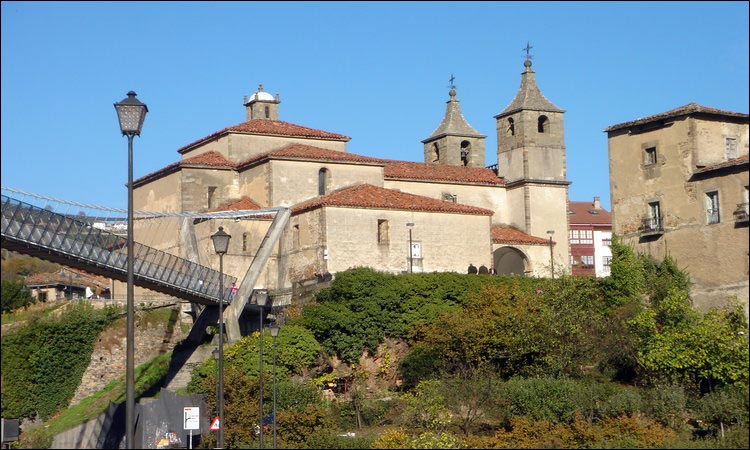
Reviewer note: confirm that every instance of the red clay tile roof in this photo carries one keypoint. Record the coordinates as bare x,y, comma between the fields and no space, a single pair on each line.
690,108
209,159
307,152
440,172
237,205
508,235
67,277
373,197
269,127
584,213
730,163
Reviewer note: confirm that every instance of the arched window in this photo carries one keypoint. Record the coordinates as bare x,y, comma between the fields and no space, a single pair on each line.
435,152
323,176
511,126
542,124
268,112
465,149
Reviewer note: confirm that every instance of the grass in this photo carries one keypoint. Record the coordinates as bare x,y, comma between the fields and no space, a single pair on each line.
36,311
148,378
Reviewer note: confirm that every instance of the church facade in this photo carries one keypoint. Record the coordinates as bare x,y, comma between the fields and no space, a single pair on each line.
347,210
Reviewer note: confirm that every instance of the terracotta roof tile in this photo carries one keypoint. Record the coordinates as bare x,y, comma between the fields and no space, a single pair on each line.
730,163
211,159
690,108
584,213
508,235
269,127
440,172
373,197
242,204
308,152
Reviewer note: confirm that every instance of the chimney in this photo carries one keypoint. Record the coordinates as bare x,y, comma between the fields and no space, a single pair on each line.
597,204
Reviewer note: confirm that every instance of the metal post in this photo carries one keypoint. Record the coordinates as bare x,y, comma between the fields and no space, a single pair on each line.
274,390
222,422
260,373
130,338
410,225
551,258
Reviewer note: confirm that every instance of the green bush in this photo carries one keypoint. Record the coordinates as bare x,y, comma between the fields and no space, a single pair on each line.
43,360
15,295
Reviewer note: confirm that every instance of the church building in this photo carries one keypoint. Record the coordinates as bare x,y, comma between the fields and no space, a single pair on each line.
347,210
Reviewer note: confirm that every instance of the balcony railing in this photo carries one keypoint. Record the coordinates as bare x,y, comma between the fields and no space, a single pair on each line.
742,213
651,226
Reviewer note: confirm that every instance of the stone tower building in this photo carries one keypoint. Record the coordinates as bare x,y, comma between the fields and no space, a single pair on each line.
531,159
454,142
262,105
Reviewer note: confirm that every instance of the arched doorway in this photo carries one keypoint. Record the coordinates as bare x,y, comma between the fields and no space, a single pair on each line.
510,261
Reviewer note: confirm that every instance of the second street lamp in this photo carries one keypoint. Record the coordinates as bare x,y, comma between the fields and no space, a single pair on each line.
410,225
551,258
274,333
131,114
221,245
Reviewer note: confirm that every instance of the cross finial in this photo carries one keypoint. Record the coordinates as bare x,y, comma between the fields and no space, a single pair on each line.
528,49
452,79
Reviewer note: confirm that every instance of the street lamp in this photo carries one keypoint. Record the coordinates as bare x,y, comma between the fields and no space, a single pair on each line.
274,333
130,113
410,225
221,245
551,259
260,298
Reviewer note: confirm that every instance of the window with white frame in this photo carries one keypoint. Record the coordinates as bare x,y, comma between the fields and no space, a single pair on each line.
607,263
607,242
712,207
587,237
574,237
587,261
730,147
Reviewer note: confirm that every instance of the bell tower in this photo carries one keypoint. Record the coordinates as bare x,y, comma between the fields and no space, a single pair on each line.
262,105
454,142
531,159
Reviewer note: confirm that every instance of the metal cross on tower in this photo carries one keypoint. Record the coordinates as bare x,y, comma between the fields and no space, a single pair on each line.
528,48
452,79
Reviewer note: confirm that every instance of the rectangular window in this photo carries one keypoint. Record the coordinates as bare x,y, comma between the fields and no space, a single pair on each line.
712,207
383,232
730,148
654,216
574,237
607,242
650,156
447,196
587,237
210,197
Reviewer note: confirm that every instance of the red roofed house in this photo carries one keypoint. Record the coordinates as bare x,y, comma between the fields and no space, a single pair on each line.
679,186
350,210
590,237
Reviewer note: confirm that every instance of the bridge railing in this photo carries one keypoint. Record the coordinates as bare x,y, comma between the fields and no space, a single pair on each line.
79,237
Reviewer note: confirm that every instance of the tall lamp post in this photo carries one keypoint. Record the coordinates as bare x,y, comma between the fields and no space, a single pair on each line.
260,298
551,259
221,245
410,225
274,332
130,114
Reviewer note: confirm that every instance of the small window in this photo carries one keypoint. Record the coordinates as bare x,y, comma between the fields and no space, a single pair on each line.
210,197
295,237
435,152
730,148
268,112
650,156
654,216
465,149
574,237
383,232
448,197
323,175
607,263
587,237
511,126
244,242
712,207
542,124
607,242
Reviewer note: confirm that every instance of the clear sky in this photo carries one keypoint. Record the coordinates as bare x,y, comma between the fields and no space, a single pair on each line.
376,71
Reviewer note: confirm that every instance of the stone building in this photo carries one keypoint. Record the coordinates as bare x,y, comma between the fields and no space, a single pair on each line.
679,186
352,210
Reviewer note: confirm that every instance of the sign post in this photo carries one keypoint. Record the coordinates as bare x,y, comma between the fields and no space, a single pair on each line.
191,421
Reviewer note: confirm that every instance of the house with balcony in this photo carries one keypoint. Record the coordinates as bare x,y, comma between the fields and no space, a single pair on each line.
679,187
590,237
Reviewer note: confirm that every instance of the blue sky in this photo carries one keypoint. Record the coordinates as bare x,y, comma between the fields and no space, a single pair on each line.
375,71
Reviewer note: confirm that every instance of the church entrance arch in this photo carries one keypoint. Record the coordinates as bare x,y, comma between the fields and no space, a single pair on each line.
510,261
